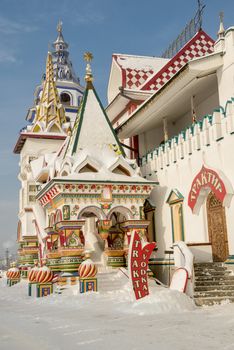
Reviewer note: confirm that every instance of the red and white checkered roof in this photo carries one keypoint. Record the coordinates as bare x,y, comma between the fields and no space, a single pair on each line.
200,45
151,73
136,70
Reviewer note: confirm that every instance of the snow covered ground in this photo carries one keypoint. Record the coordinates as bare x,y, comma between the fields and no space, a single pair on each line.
165,320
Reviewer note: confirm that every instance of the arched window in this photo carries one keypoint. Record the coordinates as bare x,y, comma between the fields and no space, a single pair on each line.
65,99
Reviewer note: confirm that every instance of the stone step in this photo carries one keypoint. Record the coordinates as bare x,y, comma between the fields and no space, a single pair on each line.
214,278
213,283
214,274
209,301
221,268
209,264
214,293
213,287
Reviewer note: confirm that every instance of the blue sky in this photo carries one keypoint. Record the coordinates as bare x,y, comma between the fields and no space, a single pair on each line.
100,26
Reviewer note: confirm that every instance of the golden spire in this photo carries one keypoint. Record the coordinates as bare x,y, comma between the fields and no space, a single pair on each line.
88,57
49,110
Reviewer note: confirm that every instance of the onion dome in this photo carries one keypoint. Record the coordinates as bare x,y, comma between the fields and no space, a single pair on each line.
32,275
13,273
44,274
8,272
87,269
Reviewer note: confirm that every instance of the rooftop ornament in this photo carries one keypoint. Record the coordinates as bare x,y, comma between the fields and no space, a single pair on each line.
221,26
60,26
88,57
187,33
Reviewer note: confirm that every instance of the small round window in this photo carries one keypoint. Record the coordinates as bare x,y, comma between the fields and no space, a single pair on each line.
65,98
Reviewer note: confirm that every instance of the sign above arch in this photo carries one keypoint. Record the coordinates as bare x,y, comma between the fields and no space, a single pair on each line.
209,180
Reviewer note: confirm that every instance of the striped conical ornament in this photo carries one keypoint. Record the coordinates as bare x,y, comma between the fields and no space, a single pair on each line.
87,269
44,275
14,273
8,272
32,275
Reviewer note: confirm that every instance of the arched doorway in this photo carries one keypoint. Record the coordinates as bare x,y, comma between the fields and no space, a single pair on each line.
91,211
217,228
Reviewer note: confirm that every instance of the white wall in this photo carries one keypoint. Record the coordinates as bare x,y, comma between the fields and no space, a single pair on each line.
152,138
213,147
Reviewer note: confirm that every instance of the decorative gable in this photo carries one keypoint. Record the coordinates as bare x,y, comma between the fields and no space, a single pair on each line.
174,196
121,167
88,165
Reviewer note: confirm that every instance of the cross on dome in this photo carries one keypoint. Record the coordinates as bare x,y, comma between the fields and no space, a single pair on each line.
88,57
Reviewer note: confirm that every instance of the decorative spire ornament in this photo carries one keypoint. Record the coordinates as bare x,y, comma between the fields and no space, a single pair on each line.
59,26
88,57
221,26
62,65
49,110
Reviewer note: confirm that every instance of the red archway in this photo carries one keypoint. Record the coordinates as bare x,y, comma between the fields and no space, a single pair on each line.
209,180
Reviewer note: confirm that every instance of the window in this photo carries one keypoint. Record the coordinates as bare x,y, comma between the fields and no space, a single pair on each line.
31,199
149,214
65,98
32,192
175,200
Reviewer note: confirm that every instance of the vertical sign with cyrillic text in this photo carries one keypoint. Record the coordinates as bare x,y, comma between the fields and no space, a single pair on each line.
138,258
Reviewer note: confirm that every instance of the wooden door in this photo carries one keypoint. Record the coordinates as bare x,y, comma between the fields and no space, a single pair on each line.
217,228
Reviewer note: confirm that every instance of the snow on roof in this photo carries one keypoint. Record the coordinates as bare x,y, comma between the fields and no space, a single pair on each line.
151,73
137,69
145,63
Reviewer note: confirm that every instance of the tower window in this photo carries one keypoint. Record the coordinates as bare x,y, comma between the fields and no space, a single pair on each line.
65,98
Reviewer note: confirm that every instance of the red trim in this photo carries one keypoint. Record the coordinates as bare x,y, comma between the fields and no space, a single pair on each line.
184,48
206,178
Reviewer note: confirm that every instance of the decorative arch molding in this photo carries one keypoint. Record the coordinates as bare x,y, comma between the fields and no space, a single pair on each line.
51,219
65,170
208,180
89,163
120,166
54,127
94,210
58,216
38,127
122,210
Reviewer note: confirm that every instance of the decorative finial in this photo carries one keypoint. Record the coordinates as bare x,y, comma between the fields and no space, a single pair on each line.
60,26
221,26
88,56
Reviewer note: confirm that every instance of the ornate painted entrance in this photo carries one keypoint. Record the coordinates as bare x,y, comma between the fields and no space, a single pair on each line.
217,228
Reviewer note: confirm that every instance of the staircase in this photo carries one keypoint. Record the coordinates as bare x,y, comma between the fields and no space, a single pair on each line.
111,281
214,284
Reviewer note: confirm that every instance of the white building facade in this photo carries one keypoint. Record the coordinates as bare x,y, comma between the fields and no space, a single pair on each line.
179,119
